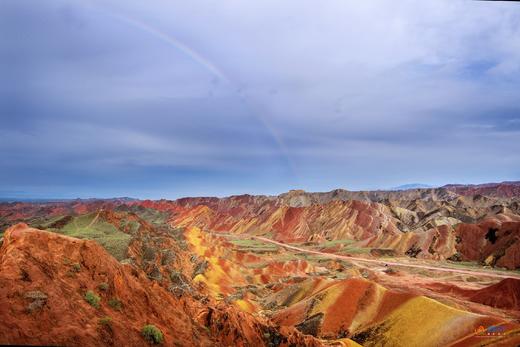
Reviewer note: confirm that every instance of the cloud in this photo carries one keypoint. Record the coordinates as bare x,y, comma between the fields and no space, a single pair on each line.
230,97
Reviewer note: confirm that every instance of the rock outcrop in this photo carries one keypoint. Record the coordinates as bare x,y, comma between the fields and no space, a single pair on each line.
58,290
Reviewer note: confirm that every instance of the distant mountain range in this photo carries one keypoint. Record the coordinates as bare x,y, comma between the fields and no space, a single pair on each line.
412,186
42,200
362,267
502,189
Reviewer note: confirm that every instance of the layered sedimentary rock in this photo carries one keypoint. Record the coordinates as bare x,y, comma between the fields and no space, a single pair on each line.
205,271
453,222
45,279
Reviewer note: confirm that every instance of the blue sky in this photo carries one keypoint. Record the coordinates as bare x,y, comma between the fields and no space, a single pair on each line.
173,98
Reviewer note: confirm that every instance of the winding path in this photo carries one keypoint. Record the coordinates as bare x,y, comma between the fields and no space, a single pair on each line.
94,220
392,263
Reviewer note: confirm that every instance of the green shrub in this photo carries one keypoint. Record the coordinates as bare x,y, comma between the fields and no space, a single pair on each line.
152,334
76,267
92,299
115,304
107,320
103,286
148,253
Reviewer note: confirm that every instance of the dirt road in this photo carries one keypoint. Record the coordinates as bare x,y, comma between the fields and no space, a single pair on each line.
390,263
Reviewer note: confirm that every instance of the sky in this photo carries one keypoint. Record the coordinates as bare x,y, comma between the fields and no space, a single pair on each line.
167,98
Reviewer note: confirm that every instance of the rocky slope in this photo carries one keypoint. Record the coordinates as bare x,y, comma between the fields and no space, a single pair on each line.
45,279
450,222
373,315
435,223
196,269
502,190
504,294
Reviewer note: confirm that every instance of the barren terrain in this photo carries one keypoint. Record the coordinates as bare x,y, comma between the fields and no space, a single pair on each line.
423,267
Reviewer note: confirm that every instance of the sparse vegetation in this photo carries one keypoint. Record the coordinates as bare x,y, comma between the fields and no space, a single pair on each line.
116,304
314,257
38,300
46,222
129,226
167,257
152,334
92,298
332,243
177,277
107,235
148,253
103,286
254,246
36,305
200,268
105,321
35,295
150,215
155,274
355,250
76,267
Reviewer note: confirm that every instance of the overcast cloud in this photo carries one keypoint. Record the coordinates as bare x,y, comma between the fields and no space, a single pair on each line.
174,98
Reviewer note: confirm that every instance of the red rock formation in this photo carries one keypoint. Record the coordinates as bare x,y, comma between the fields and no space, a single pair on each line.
504,189
491,242
63,269
335,220
505,294
450,222
44,278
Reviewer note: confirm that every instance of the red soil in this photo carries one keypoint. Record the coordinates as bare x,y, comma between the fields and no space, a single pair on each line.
43,280
33,260
351,297
505,294
503,249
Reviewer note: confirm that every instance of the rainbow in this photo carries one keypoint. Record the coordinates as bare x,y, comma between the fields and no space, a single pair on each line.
172,41
214,70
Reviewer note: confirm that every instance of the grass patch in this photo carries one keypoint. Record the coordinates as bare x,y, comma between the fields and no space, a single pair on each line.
152,334
314,257
252,245
355,250
288,256
150,215
47,222
84,220
247,242
116,304
473,265
130,226
105,321
113,240
92,299
464,264
258,249
260,265
332,243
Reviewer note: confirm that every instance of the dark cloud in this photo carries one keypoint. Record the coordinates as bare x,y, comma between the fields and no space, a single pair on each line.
168,99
